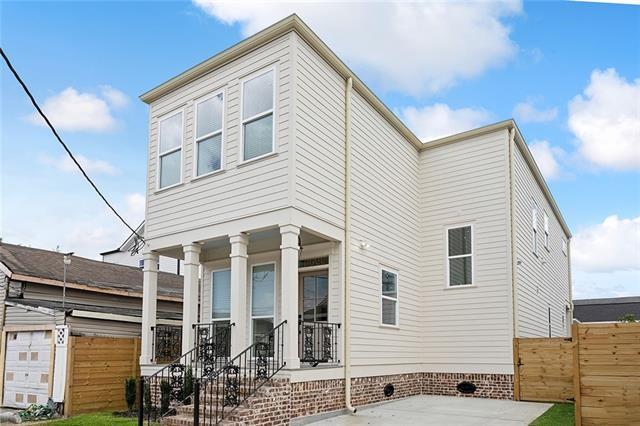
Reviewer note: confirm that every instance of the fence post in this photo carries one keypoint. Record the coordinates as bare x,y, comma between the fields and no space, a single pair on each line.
141,401
196,402
576,374
516,370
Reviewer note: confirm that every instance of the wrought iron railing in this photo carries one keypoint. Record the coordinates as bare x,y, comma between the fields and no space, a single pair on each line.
166,343
174,384
227,388
318,342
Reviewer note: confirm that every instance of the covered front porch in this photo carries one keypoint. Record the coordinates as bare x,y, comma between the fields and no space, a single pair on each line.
239,288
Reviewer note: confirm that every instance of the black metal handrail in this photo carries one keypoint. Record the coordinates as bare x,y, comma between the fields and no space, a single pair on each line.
318,342
174,384
166,343
227,388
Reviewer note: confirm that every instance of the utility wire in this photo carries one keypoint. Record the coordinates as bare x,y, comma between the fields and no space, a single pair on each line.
42,114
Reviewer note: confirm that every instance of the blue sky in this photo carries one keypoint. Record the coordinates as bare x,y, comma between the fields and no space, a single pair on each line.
463,66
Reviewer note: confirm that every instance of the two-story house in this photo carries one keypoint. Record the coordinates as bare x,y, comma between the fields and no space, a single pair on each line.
372,264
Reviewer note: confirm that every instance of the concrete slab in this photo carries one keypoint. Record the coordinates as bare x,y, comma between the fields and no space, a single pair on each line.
443,411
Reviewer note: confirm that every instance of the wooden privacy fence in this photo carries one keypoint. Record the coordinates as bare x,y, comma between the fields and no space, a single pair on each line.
599,367
96,371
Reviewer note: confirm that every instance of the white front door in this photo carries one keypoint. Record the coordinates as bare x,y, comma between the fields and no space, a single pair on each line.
27,368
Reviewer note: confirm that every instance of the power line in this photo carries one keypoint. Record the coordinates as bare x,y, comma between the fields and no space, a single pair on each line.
42,114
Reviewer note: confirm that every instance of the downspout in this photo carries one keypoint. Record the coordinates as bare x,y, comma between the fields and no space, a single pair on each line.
347,244
512,218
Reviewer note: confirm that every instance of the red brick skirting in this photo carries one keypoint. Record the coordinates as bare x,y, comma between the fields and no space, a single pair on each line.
496,386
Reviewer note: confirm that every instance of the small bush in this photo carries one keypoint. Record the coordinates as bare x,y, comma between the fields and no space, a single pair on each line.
627,318
130,392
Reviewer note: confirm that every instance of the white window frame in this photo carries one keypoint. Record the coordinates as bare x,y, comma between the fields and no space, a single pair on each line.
275,297
534,228
220,132
211,318
472,255
180,147
382,296
545,218
272,111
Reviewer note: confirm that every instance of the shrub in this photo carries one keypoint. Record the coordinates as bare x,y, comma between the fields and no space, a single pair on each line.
130,392
627,318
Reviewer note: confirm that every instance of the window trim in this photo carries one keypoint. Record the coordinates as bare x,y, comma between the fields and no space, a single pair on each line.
545,224
534,228
211,318
275,297
382,296
181,110
472,255
221,132
272,111
564,246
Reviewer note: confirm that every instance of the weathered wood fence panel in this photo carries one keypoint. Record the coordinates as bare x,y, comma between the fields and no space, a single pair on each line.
96,372
544,369
608,373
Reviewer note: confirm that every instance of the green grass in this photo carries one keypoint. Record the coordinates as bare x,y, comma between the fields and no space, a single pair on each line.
95,419
557,415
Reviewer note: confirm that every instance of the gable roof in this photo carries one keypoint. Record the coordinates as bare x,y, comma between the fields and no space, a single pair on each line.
598,310
46,267
129,242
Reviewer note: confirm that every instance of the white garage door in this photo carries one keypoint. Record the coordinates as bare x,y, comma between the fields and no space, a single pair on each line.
26,371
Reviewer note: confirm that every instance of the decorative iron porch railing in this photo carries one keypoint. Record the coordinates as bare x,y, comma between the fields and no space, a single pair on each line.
227,388
166,344
318,342
174,384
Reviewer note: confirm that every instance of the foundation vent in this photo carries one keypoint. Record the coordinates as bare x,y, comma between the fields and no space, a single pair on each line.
466,387
389,389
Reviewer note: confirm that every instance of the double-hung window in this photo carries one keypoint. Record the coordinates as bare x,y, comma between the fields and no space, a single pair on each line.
208,142
534,228
257,116
170,150
459,256
263,282
545,218
221,296
389,297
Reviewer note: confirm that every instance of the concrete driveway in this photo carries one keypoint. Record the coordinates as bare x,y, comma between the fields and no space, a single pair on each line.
443,410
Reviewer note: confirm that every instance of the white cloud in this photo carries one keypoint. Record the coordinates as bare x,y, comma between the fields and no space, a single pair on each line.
135,206
439,120
605,118
527,112
416,48
76,111
546,158
613,245
65,164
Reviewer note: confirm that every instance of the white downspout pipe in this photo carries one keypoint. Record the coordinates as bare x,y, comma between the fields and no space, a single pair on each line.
512,218
347,244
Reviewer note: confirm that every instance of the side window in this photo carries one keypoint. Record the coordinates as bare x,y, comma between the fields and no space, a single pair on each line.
564,247
460,256
534,228
257,116
170,150
389,297
208,142
546,230
221,296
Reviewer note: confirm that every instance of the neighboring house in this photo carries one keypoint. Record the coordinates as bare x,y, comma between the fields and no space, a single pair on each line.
101,299
129,253
303,197
606,310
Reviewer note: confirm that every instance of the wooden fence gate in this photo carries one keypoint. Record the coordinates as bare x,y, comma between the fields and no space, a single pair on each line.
544,369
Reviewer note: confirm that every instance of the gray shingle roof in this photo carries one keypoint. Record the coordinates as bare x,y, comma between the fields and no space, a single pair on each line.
47,264
600,310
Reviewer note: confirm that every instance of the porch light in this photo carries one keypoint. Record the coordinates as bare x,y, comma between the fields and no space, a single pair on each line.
364,245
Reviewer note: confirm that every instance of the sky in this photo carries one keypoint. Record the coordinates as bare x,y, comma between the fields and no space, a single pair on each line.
568,72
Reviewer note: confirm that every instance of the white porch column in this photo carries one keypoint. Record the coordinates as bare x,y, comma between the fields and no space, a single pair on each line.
289,251
239,308
149,302
190,297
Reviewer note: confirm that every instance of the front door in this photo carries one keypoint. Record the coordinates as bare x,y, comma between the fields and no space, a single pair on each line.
314,296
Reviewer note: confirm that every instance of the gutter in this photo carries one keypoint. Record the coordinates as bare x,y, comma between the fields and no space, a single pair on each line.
347,244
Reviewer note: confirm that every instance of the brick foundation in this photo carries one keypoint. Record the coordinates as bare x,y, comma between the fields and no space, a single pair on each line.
496,386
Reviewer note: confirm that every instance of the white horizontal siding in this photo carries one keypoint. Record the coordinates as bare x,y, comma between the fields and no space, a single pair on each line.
466,183
542,282
240,190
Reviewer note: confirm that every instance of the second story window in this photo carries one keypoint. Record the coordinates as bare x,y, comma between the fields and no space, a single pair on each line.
257,116
389,297
208,142
459,256
170,150
545,218
534,228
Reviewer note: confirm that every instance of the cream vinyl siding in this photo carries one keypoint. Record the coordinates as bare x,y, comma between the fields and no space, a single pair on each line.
15,315
250,188
542,281
467,328
319,136
385,205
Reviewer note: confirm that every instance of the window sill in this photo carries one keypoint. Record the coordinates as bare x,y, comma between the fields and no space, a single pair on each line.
456,287
255,159
166,188
206,175
393,327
